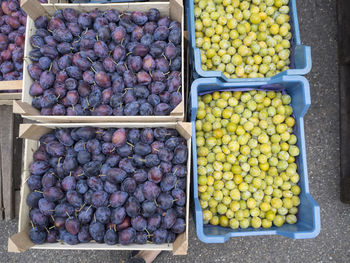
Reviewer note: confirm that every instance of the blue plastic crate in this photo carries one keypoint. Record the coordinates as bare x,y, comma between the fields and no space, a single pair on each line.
308,225
300,54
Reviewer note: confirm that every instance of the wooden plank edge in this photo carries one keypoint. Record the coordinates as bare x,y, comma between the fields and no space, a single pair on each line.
185,129
6,102
11,85
32,131
7,136
33,8
24,108
19,242
180,246
10,96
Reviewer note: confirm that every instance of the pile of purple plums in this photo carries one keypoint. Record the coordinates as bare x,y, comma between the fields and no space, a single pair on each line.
106,63
12,31
109,185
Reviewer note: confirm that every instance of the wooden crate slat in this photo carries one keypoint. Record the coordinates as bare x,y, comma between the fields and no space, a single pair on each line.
11,88
11,85
1,203
6,160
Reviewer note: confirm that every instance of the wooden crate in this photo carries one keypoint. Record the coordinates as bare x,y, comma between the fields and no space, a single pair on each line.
9,91
174,9
20,242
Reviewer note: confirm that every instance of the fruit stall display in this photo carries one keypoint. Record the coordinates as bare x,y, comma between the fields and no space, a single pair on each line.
120,186
12,34
234,39
250,174
120,62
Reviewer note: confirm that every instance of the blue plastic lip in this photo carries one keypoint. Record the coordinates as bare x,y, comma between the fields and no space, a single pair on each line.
315,211
303,70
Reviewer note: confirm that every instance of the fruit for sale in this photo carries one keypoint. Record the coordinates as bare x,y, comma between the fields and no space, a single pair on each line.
12,35
105,63
243,38
246,159
96,184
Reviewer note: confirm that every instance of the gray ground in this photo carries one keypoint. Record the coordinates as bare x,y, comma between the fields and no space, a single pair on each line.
317,21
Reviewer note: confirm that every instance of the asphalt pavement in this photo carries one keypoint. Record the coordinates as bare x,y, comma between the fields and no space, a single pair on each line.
318,27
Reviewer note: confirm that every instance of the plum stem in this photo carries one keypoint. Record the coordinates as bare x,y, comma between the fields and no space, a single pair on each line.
155,201
150,73
67,214
126,66
53,219
87,100
38,191
155,149
88,208
32,224
169,62
85,32
148,233
128,143
47,230
92,68
175,171
59,160
90,59
82,207
178,89
51,227
50,66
